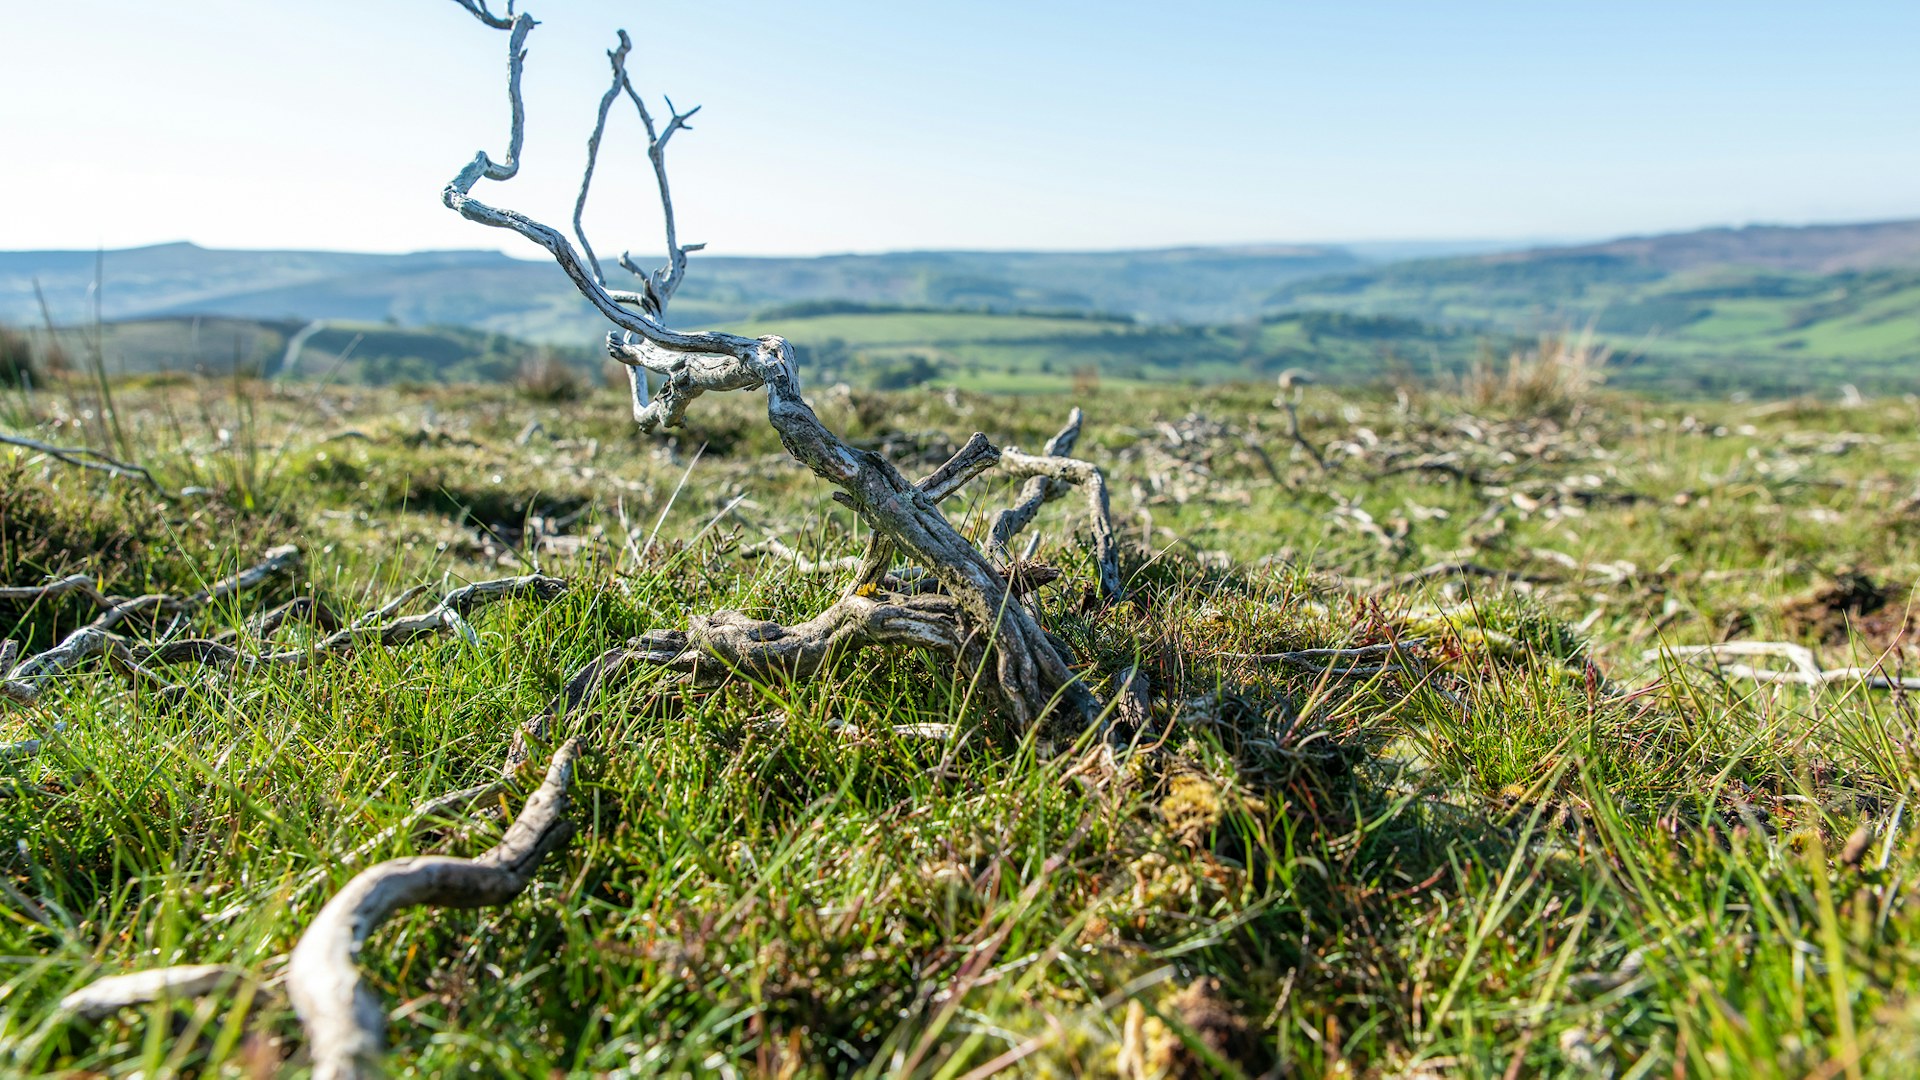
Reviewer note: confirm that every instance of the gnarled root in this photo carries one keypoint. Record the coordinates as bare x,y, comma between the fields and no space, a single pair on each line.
344,1020
732,642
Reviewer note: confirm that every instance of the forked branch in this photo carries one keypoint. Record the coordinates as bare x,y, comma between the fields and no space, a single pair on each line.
1050,475
1031,675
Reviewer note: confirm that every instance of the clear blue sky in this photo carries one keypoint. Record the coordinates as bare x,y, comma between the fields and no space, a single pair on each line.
868,126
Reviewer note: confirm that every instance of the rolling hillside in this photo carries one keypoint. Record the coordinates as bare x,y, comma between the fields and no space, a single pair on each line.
334,351
977,350
527,298
1762,310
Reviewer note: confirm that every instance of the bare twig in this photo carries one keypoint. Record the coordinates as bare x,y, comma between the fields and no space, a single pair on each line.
87,458
803,563
1049,476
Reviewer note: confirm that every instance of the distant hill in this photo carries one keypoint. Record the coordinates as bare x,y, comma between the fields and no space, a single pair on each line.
1764,308
1585,279
1812,249
337,350
530,299
1761,309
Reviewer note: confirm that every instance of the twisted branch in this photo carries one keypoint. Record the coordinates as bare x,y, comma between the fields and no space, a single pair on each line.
1031,674
344,1019
1050,475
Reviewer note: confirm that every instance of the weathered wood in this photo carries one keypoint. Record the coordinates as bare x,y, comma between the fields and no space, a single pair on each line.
106,996
1031,676
1050,475
26,682
344,1019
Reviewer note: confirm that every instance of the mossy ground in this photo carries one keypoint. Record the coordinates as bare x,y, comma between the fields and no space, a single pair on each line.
1544,854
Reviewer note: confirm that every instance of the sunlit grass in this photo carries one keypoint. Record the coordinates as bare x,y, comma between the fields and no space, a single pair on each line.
1539,855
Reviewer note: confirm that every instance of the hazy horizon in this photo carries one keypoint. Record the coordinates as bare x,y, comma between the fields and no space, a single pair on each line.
1383,249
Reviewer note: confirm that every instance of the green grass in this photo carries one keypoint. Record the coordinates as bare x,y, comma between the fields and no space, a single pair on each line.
1547,856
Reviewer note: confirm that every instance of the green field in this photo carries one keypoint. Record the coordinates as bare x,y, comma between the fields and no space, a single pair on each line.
986,351
1710,331
1537,839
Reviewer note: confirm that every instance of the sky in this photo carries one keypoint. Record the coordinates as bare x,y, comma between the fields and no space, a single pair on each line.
989,124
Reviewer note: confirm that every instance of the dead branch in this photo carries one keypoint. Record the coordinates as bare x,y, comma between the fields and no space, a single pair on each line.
618,58
114,609
86,458
728,643
344,1019
1049,476
1806,667
276,561
387,610
1031,676
26,682
53,590
20,683
106,996
804,564
448,615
